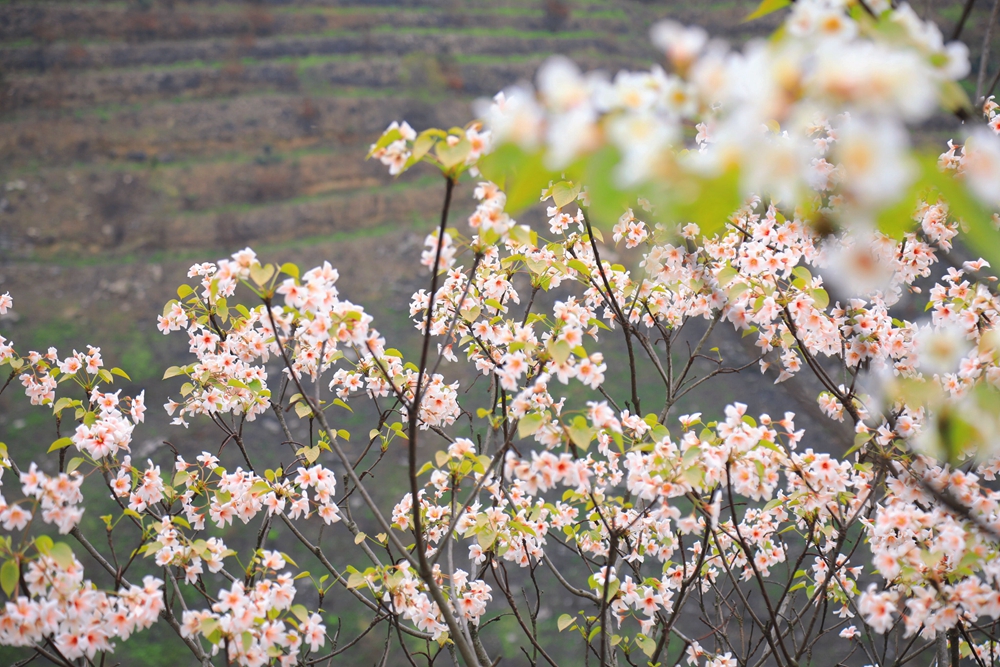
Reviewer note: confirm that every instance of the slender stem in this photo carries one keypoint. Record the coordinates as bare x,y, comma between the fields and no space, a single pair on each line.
984,55
993,84
415,404
620,316
961,21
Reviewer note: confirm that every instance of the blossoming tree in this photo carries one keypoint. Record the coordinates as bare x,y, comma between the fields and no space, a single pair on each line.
773,190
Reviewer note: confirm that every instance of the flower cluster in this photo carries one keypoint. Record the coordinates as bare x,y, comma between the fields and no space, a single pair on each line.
245,622
59,604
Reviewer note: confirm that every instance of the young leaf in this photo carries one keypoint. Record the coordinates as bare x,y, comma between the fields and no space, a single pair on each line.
9,575
450,156
62,554
60,444
529,424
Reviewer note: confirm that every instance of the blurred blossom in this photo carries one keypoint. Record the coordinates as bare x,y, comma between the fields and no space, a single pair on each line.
875,161
758,107
513,115
982,165
680,43
939,350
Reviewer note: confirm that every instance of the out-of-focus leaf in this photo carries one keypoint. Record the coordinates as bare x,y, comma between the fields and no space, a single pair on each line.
766,7
424,143
954,98
62,555
607,201
529,424
525,182
706,201
386,139
451,156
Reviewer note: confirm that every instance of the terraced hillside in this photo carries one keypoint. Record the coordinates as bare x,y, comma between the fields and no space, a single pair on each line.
167,124
184,126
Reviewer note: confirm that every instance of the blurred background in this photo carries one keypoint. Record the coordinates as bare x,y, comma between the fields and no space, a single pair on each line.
138,137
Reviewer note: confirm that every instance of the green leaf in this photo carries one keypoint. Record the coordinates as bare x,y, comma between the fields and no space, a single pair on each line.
766,7
386,139
579,266
820,298
60,444
522,234
173,371
62,555
424,143
208,626
564,193
259,487
486,538
451,156
9,574
708,202
897,219
521,175
63,403
726,275
606,200
564,622
120,373
356,580
803,273
581,433
44,544
560,351
529,424
261,274
646,644
300,612
736,290
982,238
954,98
